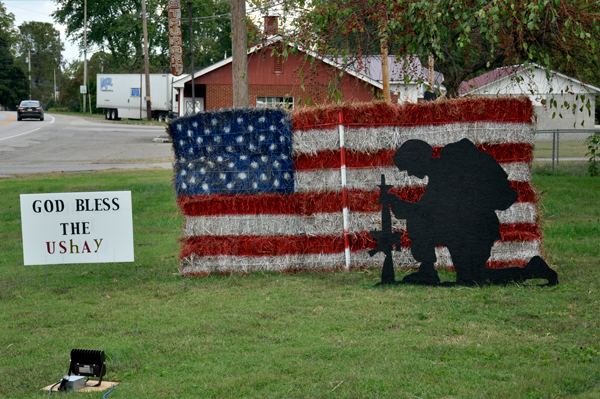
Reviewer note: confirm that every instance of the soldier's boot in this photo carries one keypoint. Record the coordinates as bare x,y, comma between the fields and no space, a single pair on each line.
426,275
538,268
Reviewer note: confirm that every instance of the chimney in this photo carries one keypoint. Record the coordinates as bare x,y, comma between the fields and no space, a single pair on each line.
271,25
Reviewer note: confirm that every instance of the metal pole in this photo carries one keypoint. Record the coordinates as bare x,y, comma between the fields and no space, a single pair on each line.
59,66
29,61
141,73
553,143
84,51
146,62
557,147
193,83
345,211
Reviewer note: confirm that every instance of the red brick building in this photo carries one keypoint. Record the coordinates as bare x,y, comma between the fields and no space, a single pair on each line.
274,80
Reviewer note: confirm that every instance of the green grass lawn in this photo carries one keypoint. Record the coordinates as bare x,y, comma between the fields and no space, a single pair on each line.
309,335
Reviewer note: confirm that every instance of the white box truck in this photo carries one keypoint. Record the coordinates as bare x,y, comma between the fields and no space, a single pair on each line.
124,96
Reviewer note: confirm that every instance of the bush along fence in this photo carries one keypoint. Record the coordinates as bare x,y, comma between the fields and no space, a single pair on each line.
267,190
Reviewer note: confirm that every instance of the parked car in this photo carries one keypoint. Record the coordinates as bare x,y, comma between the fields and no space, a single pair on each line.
30,109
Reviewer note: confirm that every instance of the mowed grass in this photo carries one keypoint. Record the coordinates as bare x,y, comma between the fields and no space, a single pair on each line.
566,149
309,335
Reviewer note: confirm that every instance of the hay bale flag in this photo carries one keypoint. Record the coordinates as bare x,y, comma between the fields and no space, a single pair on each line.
262,189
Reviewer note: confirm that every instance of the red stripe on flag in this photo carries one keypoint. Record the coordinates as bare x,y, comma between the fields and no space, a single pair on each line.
211,245
308,203
511,110
330,159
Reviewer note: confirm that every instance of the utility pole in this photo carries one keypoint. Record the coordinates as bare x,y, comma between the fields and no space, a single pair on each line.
54,87
193,82
239,47
84,52
30,82
141,74
148,102
59,65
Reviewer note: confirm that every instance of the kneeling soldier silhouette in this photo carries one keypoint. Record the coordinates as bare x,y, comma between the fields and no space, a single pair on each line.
457,210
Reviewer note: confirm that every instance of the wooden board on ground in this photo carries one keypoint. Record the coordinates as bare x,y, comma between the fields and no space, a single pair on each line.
103,387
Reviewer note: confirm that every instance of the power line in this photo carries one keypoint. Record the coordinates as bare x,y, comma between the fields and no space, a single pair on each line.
26,9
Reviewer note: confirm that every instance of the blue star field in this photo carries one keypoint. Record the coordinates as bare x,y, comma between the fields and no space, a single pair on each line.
235,151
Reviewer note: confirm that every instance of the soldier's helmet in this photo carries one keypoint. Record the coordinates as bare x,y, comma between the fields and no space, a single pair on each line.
414,156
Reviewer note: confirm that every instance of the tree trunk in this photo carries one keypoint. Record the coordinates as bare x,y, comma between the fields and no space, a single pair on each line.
385,71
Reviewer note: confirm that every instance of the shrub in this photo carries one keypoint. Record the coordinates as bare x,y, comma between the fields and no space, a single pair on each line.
593,145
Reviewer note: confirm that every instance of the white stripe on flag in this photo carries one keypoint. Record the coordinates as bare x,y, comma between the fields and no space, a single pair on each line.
387,137
369,178
318,223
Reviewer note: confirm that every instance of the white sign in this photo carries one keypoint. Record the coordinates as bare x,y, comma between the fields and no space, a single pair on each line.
66,228
82,89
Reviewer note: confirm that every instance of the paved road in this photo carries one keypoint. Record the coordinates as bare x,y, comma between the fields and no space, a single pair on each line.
63,143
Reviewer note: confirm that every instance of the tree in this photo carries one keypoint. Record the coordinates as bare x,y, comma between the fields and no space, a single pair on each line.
466,38
14,86
42,42
115,25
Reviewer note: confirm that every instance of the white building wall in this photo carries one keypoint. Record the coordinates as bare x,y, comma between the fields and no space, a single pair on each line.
571,98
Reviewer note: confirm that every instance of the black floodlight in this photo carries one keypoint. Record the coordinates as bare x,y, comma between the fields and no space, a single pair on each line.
88,363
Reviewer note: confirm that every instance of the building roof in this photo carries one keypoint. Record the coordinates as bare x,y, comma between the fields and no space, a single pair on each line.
505,75
408,67
368,69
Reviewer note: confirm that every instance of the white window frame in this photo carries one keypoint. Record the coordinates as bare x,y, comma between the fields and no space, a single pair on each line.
275,101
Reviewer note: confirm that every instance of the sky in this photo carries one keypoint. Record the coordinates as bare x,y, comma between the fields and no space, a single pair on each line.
40,10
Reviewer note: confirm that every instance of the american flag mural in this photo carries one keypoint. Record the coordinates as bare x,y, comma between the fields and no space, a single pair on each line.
261,189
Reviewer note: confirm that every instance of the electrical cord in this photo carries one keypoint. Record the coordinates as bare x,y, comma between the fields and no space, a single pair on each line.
109,391
51,388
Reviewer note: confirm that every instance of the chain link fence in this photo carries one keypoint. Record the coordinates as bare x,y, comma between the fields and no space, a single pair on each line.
554,147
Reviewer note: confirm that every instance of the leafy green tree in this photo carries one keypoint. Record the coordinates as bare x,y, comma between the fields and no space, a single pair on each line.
115,27
40,41
466,37
14,86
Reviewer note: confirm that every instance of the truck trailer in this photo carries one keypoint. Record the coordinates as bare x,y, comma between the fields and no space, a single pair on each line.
124,96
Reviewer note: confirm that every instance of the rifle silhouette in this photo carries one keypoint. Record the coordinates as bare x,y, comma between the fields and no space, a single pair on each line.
386,238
